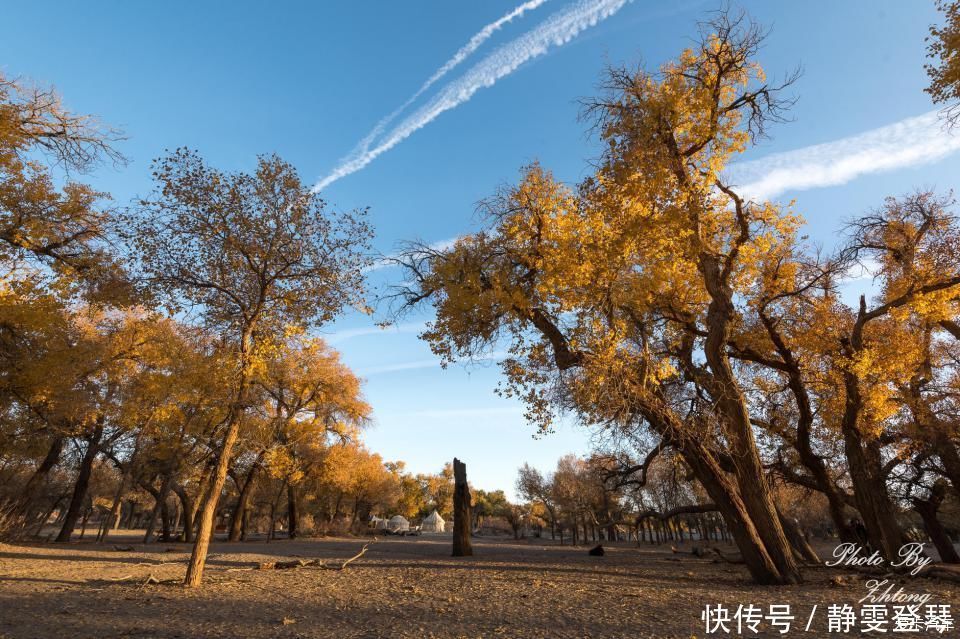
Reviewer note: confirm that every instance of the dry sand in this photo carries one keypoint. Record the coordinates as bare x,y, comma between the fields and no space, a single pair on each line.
402,587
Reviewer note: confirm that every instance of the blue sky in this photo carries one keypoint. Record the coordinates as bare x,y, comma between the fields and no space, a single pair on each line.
310,80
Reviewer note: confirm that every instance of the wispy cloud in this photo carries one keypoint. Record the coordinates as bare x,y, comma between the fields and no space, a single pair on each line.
910,142
423,363
339,337
462,54
558,29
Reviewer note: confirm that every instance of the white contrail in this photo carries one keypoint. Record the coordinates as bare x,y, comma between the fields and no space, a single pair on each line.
557,30
909,142
495,356
462,54
350,333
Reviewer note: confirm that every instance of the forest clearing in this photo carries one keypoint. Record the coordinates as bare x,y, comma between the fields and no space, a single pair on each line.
402,587
693,371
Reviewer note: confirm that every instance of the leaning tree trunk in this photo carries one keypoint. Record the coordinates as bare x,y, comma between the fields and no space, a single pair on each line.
201,546
160,503
24,506
724,492
243,501
869,488
114,516
731,404
755,491
927,509
80,488
946,450
801,547
461,511
863,457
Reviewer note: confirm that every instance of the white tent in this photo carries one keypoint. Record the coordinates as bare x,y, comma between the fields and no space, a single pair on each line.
398,524
433,523
378,523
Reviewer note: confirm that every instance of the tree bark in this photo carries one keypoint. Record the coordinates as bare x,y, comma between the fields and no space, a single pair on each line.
114,517
81,485
870,493
927,509
187,510
461,511
243,501
725,493
801,547
201,546
748,470
863,455
27,496
160,500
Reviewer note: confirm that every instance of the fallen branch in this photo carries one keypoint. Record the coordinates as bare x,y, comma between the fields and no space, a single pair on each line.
149,580
301,563
347,562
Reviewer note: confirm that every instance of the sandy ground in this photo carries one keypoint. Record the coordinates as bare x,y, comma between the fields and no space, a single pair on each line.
402,587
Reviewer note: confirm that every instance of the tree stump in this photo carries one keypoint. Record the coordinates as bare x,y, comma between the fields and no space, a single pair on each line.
461,511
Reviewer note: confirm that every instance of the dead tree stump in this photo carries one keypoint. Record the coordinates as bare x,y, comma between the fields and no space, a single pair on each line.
461,511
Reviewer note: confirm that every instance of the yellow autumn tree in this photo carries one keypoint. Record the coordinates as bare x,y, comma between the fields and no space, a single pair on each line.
312,400
259,256
43,225
610,295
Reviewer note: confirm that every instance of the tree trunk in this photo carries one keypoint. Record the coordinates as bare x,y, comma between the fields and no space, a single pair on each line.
461,511
83,522
727,498
164,520
114,517
938,535
24,507
863,456
243,501
870,492
727,495
160,500
177,514
946,450
801,547
203,491
201,546
188,511
927,509
293,516
732,406
81,485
